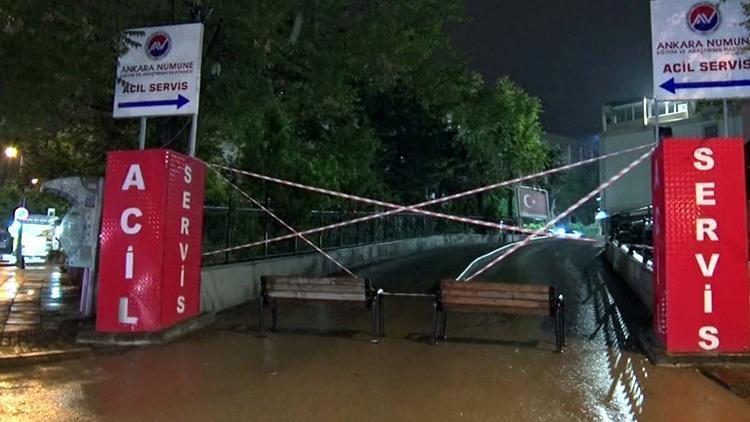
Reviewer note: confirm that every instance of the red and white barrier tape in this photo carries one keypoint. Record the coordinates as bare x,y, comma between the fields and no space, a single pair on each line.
482,223
565,213
283,223
396,209
414,208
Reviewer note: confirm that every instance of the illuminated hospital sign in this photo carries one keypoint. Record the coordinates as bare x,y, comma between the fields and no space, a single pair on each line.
700,243
150,244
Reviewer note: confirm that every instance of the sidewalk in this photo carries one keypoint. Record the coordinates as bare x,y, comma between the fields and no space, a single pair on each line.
38,314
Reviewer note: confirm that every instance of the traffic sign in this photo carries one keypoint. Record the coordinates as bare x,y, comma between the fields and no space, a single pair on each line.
21,214
159,75
701,50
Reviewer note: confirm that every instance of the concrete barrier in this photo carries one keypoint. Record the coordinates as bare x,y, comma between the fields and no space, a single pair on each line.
224,286
636,275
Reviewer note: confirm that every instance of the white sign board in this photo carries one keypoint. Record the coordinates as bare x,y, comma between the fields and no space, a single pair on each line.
160,73
700,50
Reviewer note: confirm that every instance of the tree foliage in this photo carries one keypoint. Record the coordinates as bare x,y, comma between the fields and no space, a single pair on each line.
366,97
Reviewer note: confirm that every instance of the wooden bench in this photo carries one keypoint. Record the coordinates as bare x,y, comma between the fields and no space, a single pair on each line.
501,298
355,291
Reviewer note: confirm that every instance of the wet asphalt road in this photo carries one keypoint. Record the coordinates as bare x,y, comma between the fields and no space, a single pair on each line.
322,367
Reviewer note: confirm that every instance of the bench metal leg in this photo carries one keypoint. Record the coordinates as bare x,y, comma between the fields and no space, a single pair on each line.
562,320
381,303
262,317
435,315
559,323
552,301
443,336
275,317
375,309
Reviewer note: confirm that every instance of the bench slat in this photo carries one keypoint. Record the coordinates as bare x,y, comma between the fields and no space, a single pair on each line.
345,297
283,287
480,301
494,294
498,310
324,281
475,285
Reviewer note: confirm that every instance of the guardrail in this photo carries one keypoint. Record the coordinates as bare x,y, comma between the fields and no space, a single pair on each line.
226,227
632,233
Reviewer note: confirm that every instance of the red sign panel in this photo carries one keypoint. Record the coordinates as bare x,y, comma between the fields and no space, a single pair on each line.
700,246
150,243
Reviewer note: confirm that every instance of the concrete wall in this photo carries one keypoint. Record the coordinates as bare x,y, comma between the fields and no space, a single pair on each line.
229,285
636,275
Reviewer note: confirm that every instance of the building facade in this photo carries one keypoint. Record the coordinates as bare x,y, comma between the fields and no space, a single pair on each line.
630,124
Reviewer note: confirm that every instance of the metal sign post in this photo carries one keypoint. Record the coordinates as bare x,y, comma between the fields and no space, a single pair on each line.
193,135
726,119
142,135
656,121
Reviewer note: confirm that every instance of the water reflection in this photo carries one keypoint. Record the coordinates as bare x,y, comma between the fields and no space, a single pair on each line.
10,286
623,373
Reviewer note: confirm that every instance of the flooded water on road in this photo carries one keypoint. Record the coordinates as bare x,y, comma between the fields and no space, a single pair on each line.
321,366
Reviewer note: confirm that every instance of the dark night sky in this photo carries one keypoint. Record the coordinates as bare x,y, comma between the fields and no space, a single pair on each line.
574,54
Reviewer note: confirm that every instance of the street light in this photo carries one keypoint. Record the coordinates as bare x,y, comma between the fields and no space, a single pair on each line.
11,152
34,181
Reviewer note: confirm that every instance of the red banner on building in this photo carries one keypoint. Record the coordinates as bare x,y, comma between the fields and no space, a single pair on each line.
700,246
150,244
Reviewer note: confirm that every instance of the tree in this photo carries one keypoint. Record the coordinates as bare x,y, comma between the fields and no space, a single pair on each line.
502,135
57,79
366,97
419,149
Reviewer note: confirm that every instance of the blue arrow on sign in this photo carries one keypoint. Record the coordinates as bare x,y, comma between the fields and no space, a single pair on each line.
179,102
673,86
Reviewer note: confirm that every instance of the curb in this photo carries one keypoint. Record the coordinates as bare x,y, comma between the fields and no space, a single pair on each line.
147,339
92,344
34,358
658,356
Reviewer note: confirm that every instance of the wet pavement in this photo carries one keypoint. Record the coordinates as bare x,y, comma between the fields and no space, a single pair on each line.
321,366
37,306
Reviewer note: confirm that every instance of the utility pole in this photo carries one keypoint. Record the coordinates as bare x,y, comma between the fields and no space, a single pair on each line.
20,261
